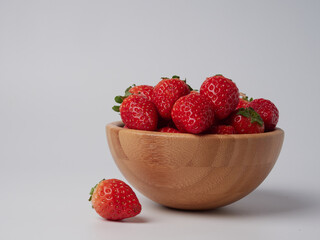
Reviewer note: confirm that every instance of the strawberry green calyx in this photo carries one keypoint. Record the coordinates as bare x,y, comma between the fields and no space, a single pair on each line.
252,114
221,76
116,108
92,189
178,77
190,88
174,76
127,93
245,97
119,99
91,192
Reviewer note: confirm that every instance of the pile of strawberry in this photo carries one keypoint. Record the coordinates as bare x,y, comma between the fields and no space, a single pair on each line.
172,106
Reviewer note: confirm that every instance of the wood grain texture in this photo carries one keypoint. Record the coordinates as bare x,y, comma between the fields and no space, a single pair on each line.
187,171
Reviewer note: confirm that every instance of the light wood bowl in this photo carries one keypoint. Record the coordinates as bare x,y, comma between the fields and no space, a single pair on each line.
187,171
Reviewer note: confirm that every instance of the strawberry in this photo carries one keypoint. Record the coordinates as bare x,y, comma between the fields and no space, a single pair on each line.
246,120
192,113
244,101
268,112
222,93
114,200
167,92
137,112
144,90
222,129
168,130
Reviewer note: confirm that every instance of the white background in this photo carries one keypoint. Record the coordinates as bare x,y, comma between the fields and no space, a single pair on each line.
61,64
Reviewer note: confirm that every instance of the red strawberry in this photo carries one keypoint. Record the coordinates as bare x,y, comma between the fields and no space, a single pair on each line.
168,130
166,93
268,112
244,101
114,200
137,112
223,94
222,129
246,120
192,113
144,90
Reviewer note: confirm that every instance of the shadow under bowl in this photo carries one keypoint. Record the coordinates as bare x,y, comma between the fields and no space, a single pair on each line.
193,172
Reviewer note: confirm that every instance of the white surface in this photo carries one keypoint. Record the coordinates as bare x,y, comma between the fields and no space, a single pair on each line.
61,64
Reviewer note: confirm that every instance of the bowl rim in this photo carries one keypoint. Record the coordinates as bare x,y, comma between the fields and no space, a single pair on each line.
118,125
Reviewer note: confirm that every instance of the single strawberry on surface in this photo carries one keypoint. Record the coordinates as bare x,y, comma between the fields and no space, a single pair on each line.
137,112
166,93
113,199
192,113
268,112
247,121
222,93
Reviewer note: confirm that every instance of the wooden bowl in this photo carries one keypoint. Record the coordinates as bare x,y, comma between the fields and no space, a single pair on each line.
187,171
